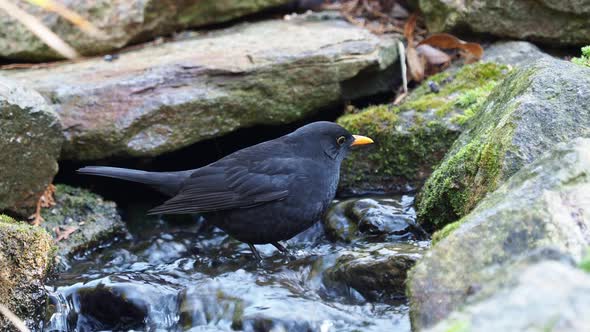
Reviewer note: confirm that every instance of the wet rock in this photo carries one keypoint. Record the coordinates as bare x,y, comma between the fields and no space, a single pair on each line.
413,137
131,302
546,296
123,22
534,109
26,257
93,220
378,272
165,97
354,218
514,53
551,22
544,204
30,141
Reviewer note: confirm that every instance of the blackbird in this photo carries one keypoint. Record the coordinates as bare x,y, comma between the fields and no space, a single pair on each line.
261,194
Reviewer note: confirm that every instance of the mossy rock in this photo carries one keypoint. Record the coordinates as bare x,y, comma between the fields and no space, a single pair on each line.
26,257
30,141
544,204
412,138
96,221
534,109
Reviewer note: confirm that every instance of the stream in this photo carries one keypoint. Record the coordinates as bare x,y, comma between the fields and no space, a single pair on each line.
182,274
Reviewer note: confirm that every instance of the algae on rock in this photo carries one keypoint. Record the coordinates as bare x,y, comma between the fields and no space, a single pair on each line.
535,108
26,258
412,138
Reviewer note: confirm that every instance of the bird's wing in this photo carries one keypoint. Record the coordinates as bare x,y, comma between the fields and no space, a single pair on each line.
231,185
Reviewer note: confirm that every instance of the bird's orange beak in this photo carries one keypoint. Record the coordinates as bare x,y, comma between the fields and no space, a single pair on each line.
361,140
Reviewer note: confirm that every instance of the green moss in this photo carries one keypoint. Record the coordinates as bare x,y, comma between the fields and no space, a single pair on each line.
584,59
474,166
443,233
585,263
461,93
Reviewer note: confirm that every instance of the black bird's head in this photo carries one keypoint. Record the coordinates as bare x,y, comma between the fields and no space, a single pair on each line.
327,139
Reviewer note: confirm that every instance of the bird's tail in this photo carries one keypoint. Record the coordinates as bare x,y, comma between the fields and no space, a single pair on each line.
169,183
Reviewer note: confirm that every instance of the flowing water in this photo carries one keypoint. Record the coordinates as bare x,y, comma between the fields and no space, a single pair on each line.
179,275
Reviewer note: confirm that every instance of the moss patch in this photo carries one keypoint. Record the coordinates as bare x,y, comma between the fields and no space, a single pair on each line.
414,136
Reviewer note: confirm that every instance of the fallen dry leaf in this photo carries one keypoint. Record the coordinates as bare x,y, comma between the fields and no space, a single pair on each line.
445,40
46,200
413,59
433,56
63,233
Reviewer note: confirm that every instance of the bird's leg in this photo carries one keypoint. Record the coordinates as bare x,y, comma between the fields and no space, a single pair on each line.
254,251
280,248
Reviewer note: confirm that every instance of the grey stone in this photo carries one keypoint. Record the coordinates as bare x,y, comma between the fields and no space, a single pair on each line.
548,296
551,22
123,22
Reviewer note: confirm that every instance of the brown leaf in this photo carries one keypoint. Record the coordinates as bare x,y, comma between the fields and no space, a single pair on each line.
409,29
433,56
64,232
445,40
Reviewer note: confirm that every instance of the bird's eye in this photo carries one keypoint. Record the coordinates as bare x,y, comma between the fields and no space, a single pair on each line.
341,140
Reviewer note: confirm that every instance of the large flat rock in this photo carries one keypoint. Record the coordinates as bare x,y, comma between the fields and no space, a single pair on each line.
162,98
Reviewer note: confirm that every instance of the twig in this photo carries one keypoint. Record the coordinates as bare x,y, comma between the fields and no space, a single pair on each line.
17,322
39,29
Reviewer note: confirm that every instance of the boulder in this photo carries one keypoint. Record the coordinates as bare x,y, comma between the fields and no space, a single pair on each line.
30,141
551,22
413,137
162,98
378,272
534,109
26,258
123,22
514,53
544,204
548,296
86,218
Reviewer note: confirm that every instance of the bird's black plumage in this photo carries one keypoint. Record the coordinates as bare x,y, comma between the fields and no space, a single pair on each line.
261,194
